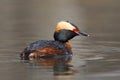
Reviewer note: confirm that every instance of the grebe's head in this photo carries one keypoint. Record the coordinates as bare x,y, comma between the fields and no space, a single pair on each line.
66,31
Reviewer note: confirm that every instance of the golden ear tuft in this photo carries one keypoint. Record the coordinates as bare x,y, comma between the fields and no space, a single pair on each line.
64,25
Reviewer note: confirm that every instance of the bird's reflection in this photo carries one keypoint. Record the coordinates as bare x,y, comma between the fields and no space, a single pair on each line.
60,64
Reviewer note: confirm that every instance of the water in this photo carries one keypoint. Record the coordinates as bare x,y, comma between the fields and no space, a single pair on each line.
95,58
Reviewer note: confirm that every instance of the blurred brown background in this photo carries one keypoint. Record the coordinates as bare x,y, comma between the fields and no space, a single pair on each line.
25,21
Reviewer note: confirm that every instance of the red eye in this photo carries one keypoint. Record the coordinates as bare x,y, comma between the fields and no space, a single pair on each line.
76,31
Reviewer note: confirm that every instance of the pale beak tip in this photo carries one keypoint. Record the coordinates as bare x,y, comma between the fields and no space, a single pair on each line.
84,34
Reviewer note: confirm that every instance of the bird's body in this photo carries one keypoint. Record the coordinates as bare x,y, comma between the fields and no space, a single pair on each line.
49,48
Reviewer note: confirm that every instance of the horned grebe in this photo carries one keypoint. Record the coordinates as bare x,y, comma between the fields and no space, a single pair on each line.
59,46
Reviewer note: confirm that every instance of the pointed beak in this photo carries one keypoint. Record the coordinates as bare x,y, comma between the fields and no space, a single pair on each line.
80,33
83,34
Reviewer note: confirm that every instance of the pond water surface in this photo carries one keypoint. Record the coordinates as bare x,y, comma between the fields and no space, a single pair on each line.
96,57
